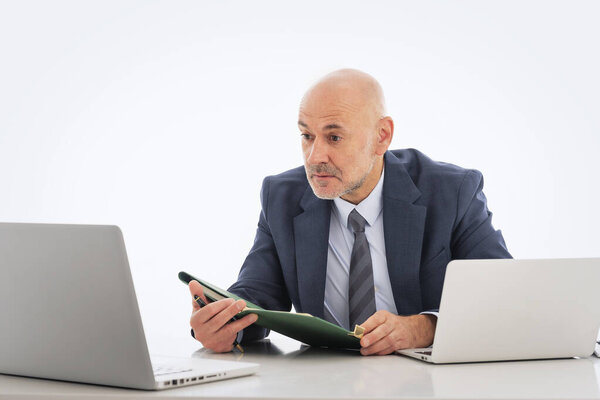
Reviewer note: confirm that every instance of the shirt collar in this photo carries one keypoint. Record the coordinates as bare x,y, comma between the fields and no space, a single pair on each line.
369,208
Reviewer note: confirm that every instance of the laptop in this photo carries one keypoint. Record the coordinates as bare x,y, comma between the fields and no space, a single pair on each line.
497,310
69,312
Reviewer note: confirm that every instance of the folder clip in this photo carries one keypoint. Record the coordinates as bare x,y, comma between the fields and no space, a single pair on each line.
359,332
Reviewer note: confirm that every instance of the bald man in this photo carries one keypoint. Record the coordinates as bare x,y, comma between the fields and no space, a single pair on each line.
360,234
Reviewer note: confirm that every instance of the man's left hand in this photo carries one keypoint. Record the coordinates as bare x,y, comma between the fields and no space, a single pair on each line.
386,332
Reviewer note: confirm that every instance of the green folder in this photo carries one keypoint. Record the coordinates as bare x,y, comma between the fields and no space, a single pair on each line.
305,328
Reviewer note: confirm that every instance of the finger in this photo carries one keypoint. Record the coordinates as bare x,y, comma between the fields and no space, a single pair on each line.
225,315
376,335
233,328
373,321
389,343
196,289
377,347
224,338
207,313
204,331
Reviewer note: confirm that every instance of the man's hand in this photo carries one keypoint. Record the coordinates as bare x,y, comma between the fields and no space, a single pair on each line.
210,323
386,332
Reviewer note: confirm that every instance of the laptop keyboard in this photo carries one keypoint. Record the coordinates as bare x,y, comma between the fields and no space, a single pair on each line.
168,369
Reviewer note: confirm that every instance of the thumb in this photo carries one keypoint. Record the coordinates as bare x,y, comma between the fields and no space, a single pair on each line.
196,289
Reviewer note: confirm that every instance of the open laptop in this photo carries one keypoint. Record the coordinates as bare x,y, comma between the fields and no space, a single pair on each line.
68,311
493,310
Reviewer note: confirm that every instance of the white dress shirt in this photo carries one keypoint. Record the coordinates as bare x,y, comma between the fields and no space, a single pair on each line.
341,241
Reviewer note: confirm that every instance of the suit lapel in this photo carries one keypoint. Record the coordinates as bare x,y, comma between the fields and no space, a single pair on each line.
403,226
311,236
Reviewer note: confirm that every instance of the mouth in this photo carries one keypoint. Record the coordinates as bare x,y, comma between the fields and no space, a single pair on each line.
322,176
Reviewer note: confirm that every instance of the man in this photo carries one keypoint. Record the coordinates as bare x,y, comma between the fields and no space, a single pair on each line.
360,235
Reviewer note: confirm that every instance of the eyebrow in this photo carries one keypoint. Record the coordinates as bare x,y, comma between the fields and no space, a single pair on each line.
326,127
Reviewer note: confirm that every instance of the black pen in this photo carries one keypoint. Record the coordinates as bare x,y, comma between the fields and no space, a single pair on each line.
201,303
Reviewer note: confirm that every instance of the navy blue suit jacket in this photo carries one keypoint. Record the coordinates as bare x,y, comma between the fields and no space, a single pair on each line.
433,212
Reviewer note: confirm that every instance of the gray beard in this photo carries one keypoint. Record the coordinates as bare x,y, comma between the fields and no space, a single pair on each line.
354,186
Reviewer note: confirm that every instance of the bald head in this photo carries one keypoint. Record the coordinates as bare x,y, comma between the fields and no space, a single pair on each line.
351,89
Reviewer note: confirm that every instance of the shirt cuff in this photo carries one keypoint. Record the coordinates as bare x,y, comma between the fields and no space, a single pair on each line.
435,313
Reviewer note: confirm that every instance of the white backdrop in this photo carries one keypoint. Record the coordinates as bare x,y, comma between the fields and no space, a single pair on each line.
163,117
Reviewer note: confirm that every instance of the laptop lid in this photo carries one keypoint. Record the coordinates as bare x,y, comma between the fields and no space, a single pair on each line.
518,309
68,306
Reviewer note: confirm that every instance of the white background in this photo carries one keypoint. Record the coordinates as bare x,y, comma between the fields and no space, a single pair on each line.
163,117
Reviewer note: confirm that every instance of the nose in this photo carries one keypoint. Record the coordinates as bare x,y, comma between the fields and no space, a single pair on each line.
317,152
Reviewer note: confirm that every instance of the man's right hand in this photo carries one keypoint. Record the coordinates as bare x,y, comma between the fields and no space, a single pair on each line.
211,323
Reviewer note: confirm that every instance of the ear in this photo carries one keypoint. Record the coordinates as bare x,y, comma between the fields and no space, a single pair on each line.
385,133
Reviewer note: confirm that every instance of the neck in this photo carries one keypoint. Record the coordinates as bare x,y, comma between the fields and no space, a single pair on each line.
358,195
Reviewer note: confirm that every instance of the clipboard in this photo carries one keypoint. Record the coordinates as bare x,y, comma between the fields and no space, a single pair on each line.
305,328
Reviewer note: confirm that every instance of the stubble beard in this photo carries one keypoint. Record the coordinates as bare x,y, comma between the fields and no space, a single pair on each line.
349,188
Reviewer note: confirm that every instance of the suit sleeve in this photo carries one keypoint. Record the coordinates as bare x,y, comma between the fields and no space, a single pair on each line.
260,279
473,235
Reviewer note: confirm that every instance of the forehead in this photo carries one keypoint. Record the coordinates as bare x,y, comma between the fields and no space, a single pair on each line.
326,110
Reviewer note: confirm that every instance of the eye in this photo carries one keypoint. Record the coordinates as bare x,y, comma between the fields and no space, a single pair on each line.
335,138
305,136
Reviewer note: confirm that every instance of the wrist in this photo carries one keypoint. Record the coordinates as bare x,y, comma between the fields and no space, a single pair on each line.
423,329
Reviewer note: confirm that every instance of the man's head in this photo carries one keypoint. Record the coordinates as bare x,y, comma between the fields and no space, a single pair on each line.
345,132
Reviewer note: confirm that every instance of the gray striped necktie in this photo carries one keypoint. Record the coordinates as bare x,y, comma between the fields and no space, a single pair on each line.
361,289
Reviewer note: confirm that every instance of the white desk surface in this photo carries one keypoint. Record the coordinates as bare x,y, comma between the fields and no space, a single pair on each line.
291,371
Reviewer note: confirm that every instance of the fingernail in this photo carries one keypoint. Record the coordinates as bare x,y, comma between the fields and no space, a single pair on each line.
365,343
240,306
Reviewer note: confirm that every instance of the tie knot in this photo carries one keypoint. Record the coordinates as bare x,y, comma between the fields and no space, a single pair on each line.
356,221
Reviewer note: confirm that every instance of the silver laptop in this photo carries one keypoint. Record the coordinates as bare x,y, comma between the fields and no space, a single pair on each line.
69,312
493,310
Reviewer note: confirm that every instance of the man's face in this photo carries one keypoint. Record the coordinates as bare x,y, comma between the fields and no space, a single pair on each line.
338,139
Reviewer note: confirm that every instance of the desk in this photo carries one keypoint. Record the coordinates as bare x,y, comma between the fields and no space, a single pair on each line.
291,371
